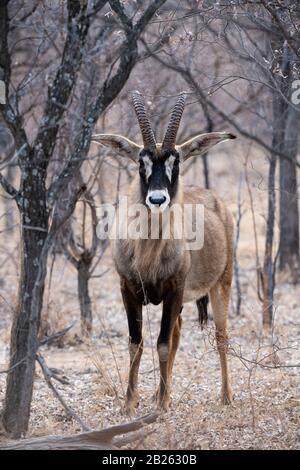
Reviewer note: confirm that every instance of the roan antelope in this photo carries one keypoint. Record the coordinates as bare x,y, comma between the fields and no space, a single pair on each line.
163,270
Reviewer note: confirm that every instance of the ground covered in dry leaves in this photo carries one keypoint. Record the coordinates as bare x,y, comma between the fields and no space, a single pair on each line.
265,411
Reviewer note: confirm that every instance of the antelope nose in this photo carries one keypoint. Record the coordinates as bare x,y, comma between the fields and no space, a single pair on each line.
157,200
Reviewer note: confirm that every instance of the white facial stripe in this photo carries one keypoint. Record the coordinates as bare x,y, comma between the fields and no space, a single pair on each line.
169,163
148,166
158,193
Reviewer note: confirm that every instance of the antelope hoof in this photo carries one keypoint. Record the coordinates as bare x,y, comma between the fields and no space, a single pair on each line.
129,410
226,398
131,404
163,404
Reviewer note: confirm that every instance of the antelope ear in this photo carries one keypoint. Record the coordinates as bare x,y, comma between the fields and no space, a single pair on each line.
201,144
120,144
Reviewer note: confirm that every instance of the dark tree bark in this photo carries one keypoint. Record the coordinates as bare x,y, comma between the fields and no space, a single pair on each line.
236,268
268,267
289,257
24,343
85,303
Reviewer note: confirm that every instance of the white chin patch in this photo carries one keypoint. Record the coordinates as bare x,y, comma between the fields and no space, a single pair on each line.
156,195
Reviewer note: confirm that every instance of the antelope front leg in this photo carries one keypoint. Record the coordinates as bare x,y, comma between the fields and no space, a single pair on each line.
135,323
165,347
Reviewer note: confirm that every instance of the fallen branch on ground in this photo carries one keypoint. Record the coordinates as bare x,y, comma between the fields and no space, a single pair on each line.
93,440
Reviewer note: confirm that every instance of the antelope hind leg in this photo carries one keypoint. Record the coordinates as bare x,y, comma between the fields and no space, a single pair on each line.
219,296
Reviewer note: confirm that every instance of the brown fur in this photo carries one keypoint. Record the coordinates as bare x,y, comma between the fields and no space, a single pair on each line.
147,263
165,271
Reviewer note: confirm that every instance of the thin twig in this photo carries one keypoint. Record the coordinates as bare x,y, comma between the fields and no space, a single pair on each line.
50,339
258,265
48,375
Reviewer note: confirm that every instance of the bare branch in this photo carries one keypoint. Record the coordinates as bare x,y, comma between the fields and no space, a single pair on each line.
48,375
9,116
50,339
204,99
9,188
289,38
60,91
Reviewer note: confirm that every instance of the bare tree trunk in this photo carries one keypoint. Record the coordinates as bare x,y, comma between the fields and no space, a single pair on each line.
78,253
236,269
83,267
268,276
289,213
279,109
24,342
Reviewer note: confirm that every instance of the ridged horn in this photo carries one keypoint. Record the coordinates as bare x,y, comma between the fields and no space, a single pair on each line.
172,129
144,123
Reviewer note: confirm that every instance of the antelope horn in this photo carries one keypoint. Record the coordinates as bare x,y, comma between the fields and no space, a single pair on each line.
172,129
144,123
